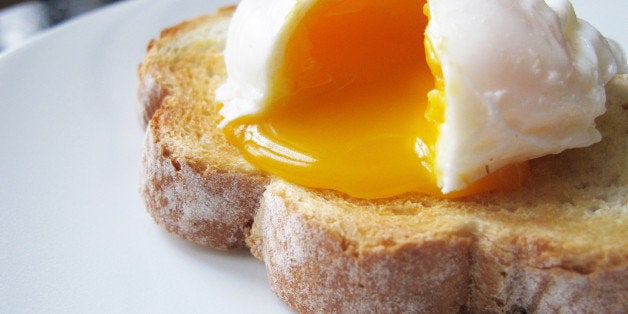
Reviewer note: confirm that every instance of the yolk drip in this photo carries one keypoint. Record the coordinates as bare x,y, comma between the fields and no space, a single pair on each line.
349,105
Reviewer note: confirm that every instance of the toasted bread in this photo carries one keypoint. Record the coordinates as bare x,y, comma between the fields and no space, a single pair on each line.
194,183
557,244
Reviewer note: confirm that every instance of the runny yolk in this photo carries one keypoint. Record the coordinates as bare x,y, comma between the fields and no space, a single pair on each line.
347,110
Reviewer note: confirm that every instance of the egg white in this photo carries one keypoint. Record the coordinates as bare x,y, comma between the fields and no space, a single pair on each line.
523,78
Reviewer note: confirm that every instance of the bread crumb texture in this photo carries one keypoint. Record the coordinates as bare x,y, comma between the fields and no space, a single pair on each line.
556,245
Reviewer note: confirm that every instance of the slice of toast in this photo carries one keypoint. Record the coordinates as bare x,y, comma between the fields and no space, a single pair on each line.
194,183
557,244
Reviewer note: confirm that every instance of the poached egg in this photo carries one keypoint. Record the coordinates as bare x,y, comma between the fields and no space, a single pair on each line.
382,97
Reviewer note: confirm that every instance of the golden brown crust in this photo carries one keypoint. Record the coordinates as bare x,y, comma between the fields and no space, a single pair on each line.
559,243
163,71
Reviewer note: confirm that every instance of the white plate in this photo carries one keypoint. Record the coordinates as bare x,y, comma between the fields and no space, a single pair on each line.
74,235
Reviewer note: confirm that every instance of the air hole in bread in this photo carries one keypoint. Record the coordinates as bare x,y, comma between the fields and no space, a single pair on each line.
602,197
176,165
498,302
166,153
389,242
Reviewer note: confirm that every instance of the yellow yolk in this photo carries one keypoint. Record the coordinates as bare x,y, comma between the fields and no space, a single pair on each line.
355,105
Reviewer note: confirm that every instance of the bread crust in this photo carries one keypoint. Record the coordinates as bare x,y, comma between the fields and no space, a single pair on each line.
209,207
158,73
196,197
314,269
316,264
504,281
558,245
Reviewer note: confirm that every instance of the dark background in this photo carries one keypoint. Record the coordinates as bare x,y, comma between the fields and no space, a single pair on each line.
59,10
21,19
